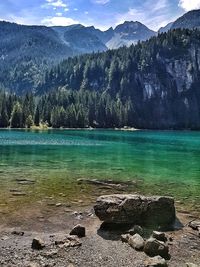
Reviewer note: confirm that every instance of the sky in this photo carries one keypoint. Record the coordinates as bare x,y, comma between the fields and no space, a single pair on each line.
100,13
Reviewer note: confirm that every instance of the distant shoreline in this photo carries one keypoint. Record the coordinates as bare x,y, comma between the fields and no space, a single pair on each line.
131,129
90,128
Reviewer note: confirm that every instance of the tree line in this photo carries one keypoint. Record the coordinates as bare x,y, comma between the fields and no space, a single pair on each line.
65,108
153,85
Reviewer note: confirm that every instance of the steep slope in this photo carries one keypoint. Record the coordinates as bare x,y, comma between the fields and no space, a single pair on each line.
26,51
83,40
166,28
161,77
190,20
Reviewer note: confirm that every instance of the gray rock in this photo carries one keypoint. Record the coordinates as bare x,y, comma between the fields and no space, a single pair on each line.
37,244
195,225
159,236
135,209
136,241
78,230
154,247
68,241
136,230
125,238
156,261
17,233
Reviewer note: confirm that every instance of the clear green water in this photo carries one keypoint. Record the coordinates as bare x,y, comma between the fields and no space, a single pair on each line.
166,163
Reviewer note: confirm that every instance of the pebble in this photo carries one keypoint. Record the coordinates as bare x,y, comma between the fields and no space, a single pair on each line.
37,244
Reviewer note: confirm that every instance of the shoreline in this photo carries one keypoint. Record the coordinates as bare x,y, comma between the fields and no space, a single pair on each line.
62,128
98,248
131,129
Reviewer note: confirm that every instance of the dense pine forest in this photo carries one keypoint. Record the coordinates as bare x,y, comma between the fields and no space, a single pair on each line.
65,108
154,84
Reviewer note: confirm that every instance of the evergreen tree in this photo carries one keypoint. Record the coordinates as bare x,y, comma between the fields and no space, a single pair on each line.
16,116
37,117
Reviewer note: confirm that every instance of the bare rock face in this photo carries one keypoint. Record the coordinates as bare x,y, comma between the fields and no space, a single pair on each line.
136,209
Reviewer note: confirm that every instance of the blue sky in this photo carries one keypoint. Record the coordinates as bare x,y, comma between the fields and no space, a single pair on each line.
100,13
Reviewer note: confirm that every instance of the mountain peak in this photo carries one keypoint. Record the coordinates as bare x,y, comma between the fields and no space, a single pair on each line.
189,20
132,27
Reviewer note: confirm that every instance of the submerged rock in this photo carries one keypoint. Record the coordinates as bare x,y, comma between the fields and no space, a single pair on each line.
107,183
135,209
23,181
154,247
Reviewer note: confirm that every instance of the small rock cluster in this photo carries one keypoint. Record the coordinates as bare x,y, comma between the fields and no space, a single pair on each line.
71,240
155,247
124,209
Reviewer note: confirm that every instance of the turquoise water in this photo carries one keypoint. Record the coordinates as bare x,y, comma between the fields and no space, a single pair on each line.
160,162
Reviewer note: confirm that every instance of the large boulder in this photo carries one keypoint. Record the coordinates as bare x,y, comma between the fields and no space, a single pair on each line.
136,209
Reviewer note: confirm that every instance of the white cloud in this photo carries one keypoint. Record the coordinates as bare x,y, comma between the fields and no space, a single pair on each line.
54,3
101,2
188,5
59,14
58,21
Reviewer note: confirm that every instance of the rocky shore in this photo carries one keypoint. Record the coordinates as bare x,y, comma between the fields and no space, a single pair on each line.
79,238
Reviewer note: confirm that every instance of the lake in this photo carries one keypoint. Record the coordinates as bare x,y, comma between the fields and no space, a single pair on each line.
38,166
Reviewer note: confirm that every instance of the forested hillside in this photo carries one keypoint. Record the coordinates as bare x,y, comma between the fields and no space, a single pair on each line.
26,52
159,76
153,85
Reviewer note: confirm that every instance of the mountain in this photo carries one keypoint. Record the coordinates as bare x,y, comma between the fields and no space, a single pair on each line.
129,33
190,20
160,78
81,39
165,28
26,52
